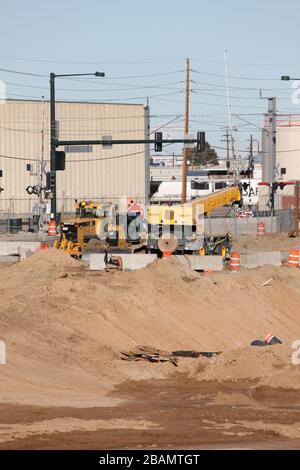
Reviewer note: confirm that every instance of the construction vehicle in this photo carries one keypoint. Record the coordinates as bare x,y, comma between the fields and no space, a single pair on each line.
180,228
78,231
176,228
126,230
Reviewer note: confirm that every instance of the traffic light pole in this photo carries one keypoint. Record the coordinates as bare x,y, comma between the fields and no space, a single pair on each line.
53,137
52,146
124,142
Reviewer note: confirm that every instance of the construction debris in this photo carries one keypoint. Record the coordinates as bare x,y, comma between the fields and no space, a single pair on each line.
195,354
156,355
269,340
267,283
150,354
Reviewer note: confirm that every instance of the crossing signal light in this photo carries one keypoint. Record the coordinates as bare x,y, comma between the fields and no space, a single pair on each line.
48,182
200,141
158,141
60,160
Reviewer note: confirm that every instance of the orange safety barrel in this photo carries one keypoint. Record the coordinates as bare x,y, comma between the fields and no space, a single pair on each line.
234,263
52,228
166,254
293,259
268,338
44,246
261,229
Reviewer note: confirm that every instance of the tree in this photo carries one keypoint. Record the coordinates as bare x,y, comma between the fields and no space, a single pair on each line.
208,157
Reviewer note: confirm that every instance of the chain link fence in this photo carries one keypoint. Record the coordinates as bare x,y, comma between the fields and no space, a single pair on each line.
242,221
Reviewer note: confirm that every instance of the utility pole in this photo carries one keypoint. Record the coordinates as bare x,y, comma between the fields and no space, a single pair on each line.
227,151
186,131
250,165
272,139
229,110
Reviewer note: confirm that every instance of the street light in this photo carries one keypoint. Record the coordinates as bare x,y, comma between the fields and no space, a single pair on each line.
287,78
53,136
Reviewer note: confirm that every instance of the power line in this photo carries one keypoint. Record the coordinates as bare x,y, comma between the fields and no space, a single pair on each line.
234,76
142,61
131,87
18,72
104,100
99,62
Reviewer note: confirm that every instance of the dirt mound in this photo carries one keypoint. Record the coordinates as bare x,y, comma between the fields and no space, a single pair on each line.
287,378
48,260
64,327
252,363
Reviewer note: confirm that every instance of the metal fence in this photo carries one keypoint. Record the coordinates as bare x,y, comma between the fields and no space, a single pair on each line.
281,219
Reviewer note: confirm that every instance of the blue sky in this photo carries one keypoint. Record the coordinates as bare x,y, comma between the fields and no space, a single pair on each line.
150,41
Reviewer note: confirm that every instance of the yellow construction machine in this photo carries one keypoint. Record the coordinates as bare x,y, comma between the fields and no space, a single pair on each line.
79,230
179,228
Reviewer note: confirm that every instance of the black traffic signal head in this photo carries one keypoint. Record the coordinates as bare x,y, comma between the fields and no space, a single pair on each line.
48,184
200,141
60,160
158,141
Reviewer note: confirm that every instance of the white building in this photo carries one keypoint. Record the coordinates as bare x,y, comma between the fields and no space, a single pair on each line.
287,154
92,172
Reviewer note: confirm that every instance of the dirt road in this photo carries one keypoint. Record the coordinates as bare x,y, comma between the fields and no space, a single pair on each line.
173,413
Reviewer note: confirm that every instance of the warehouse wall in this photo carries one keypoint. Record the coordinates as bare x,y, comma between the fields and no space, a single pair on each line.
103,173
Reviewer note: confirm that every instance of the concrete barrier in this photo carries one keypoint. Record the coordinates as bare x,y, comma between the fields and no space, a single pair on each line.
202,263
260,258
248,226
10,248
130,261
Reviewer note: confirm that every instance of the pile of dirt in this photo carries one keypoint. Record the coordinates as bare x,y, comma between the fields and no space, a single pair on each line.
48,261
64,327
254,363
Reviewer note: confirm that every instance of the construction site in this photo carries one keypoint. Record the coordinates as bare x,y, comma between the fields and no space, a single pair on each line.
149,252
125,326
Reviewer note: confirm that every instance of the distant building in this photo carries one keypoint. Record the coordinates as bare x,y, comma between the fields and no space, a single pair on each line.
287,154
92,172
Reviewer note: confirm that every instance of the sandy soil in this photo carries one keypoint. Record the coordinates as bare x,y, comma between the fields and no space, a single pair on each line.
65,385
279,242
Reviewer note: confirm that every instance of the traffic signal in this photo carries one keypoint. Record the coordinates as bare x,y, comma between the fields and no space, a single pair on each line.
48,176
60,160
200,141
158,141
